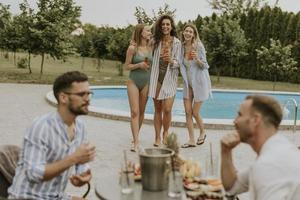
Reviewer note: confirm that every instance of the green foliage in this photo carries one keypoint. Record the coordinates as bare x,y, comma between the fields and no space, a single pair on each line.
118,43
54,22
5,20
276,60
143,17
225,44
101,41
22,63
117,46
9,31
235,7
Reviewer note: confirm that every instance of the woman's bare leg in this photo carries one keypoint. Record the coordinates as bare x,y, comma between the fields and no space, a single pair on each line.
189,116
157,116
167,116
198,118
157,120
133,97
143,98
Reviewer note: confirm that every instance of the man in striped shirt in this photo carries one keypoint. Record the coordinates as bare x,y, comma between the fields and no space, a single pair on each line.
55,145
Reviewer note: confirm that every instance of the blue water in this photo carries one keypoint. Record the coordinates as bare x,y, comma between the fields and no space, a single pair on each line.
223,104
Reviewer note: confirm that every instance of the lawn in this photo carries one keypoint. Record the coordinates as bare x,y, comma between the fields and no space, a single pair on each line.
108,74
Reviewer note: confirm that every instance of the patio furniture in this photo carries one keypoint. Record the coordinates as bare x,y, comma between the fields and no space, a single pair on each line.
9,155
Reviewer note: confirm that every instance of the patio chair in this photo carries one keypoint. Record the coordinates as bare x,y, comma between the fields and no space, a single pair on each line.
9,155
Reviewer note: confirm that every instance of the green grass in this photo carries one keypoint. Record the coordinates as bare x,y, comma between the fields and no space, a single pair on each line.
108,74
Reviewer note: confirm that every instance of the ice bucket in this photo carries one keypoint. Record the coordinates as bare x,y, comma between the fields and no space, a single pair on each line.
155,167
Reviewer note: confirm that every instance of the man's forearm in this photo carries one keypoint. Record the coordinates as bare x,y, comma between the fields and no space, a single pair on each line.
54,169
228,172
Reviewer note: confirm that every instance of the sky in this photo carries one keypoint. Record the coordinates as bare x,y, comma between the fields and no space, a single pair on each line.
120,13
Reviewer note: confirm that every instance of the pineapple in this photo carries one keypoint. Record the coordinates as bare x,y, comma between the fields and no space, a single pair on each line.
173,144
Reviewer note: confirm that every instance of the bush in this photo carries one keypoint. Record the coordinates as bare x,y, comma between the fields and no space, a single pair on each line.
22,63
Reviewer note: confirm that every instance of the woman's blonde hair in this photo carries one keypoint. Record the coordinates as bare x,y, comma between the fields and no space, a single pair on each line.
137,34
195,39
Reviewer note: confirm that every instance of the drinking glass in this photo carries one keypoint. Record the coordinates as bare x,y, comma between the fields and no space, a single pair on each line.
127,180
212,167
175,187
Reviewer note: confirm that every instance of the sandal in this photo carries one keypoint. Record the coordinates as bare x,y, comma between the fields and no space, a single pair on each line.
133,148
201,140
156,145
187,145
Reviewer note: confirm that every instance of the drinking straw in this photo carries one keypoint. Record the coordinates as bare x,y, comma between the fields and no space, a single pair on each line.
173,167
126,167
211,158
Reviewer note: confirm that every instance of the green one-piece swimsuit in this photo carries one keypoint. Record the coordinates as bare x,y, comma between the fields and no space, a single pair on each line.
140,77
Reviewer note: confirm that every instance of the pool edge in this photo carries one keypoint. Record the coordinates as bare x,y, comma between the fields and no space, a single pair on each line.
215,124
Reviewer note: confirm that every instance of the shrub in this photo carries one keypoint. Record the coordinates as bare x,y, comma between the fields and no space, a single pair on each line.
22,63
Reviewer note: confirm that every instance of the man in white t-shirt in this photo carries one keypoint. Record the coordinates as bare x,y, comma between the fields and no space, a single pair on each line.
275,175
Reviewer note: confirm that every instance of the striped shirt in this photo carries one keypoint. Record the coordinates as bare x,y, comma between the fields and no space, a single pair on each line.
45,142
169,85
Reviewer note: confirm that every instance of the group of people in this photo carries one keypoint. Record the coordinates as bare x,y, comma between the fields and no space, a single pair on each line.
55,148
154,61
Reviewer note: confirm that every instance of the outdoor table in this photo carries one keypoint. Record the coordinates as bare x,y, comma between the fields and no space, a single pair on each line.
107,187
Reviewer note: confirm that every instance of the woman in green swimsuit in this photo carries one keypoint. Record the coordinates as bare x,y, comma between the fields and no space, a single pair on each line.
138,61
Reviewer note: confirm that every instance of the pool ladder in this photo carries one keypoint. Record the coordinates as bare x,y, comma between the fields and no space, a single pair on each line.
294,102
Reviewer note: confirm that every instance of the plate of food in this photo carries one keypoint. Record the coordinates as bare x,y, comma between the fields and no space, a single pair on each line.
198,188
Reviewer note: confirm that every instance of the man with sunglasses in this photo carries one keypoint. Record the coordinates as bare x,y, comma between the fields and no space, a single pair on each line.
55,145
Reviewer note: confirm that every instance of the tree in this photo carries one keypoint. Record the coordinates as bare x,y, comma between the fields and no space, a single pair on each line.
54,22
100,43
235,7
9,32
25,22
199,23
83,44
118,45
276,60
143,17
5,20
225,43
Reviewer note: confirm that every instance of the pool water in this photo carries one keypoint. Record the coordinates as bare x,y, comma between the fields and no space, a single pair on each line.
224,104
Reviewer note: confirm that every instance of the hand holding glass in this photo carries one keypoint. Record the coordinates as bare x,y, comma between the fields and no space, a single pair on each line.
192,55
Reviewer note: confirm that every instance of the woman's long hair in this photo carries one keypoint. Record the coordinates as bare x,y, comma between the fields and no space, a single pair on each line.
137,34
158,32
196,40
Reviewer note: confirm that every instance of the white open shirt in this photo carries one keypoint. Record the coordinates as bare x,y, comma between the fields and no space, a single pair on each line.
275,175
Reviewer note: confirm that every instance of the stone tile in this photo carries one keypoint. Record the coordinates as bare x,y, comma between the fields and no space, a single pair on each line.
23,102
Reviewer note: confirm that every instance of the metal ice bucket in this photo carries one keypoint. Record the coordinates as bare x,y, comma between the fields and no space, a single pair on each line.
155,167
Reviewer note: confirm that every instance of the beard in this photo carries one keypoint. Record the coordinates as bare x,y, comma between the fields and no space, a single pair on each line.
79,110
244,133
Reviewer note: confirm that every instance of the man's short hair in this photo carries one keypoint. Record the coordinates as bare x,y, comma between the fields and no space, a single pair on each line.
268,107
65,81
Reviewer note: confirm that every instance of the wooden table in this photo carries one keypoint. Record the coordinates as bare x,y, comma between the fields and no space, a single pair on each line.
107,187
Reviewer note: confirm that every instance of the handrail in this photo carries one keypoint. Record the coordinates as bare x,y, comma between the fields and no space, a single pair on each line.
296,111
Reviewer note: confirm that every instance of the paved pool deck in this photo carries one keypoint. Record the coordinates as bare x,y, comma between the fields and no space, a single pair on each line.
21,103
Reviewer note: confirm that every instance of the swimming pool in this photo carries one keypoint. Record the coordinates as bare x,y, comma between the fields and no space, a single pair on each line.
111,102
224,104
